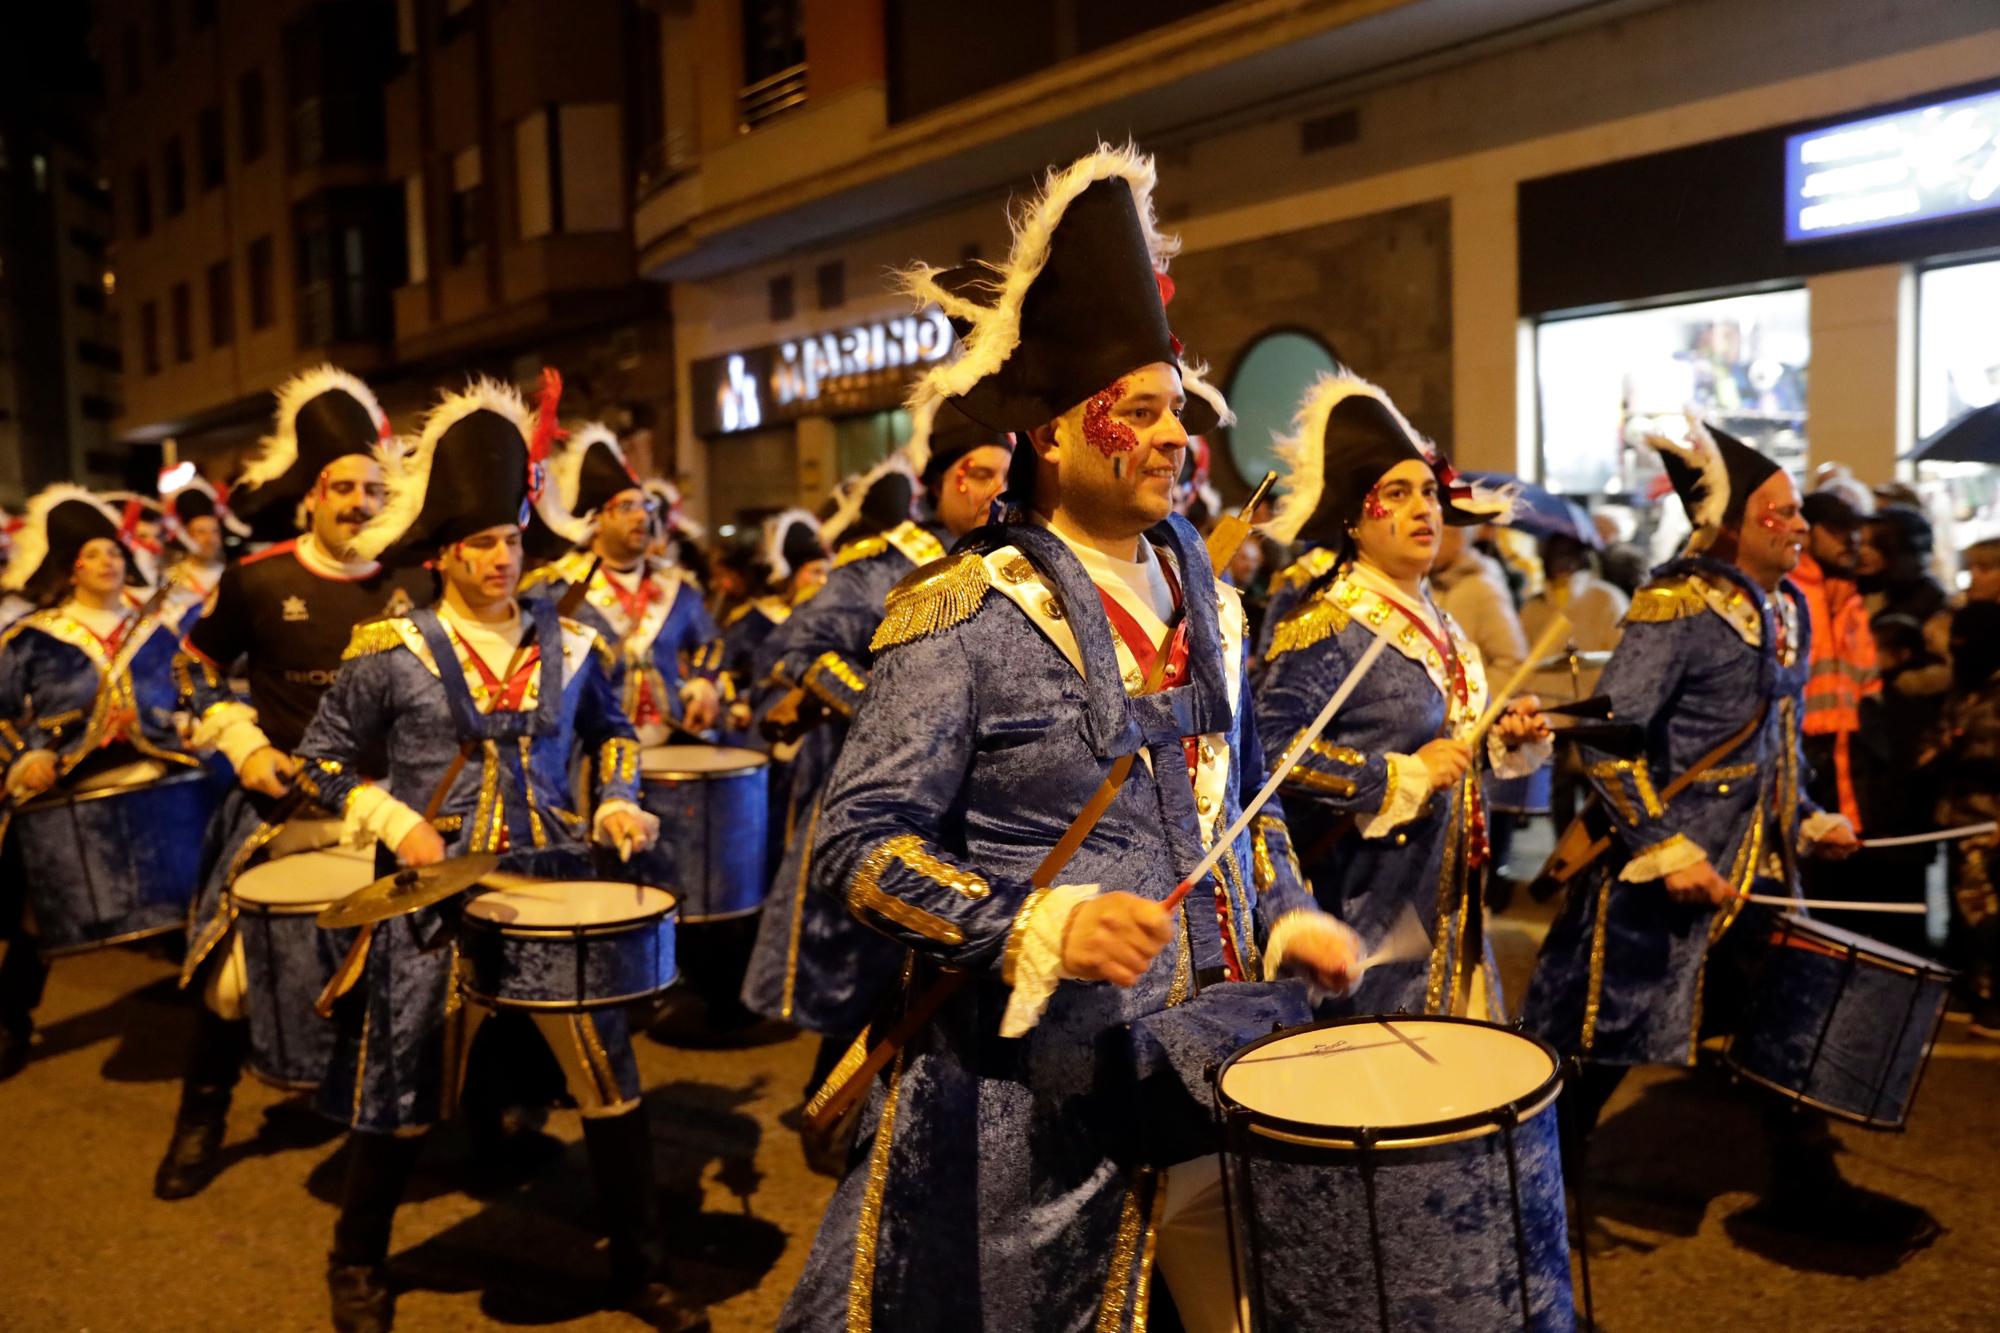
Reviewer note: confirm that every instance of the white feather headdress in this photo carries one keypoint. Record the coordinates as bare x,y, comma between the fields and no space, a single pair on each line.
853,493
773,553
1703,456
280,449
200,485
566,467
31,539
995,329
409,470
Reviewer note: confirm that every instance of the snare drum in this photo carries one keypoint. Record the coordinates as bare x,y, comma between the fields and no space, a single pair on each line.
711,801
1400,1172
1840,1022
115,858
288,959
567,945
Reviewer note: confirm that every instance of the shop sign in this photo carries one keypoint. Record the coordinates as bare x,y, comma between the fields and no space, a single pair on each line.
862,368
1888,171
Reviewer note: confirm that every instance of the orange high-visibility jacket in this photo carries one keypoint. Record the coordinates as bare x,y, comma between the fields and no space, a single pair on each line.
1843,669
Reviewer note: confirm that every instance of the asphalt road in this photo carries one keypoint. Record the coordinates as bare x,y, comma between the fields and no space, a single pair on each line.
84,1246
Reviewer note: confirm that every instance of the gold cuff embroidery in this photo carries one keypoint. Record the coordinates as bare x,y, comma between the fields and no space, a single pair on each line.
865,894
1339,754
831,664
1263,872
1017,936
1312,780
618,760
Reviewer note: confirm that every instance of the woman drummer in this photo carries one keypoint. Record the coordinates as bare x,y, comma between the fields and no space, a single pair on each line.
86,684
1386,806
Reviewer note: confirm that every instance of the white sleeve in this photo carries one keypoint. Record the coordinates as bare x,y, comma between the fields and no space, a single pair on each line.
1038,967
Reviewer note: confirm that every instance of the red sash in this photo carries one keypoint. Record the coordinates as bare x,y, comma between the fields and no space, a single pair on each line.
1477,847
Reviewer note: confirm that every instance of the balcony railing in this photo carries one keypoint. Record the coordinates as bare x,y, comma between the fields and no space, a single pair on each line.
765,99
666,161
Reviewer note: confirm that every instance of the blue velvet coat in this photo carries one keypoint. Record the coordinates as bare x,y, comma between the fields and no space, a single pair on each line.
51,668
403,677
984,1194
1619,976
814,964
675,640
1349,777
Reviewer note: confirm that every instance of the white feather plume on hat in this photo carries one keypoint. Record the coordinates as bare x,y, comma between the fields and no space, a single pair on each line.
773,552
995,330
280,449
200,485
31,539
853,494
566,467
409,470
1701,454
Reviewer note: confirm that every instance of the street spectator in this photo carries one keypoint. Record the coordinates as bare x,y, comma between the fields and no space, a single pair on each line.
1622,563
1964,762
1982,571
1843,669
1595,608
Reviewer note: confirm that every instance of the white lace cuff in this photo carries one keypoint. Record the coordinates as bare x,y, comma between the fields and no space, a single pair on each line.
1305,923
649,822
1820,823
1037,954
231,728
1409,787
1520,760
373,815
1662,859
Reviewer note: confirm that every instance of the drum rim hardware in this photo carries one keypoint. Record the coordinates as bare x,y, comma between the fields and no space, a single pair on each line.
751,763
556,929
649,925
55,800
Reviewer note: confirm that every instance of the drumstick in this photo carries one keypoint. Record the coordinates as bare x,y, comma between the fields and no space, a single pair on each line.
1285,765
1557,628
1833,904
1935,835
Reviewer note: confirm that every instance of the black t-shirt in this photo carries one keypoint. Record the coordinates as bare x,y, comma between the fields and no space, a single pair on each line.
291,626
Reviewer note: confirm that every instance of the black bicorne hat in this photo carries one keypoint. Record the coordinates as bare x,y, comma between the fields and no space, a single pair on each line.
59,522
871,503
945,437
1346,435
600,470
1713,473
1080,302
323,414
791,539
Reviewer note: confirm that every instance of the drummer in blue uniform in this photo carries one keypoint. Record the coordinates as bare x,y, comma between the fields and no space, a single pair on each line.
792,563
86,684
282,616
985,1192
1712,665
524,688
1387,804
649,611
814,964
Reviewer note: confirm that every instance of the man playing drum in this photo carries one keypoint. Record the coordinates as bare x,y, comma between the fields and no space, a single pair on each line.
650,612
1387,803
485,699
1712,665
814,964
282,616
988,1190
86,684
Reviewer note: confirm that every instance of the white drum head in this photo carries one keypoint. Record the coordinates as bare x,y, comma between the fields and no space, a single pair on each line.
696,761
136,774
581,902
305,879
1386,1073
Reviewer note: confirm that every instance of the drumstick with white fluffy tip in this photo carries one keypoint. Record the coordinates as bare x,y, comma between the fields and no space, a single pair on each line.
1278,775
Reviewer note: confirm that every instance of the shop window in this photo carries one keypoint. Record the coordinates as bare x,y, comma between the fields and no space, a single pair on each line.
1607,381
859,443
1958,343
1264,389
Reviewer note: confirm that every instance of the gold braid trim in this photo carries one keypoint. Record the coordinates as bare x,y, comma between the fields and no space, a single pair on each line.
864,548
1313,780
830,663
916,543
1263,871
1312,622
1667,599
865,894
618,758
931,600
374,636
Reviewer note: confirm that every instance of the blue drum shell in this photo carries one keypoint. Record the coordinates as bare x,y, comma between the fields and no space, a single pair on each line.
116,864
1443,1226
1878,1021
566,969
711,850
287,961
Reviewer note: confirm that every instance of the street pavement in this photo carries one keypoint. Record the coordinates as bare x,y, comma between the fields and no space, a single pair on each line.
84,1246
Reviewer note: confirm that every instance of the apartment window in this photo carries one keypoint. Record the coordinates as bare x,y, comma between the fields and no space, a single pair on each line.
183,313
568,170
250,114
201,14
415,235
781,297
261,313
149,336
349,258
163,30
133,61
468,196
93,353
209,145
173,178
140,206
774,61
221,305
831,280
88,296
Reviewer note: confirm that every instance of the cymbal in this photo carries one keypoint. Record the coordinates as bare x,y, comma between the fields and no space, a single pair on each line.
409,889
1595,658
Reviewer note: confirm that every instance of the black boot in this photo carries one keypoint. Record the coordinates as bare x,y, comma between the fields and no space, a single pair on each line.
357,1278
22,976
620,1148
214,1064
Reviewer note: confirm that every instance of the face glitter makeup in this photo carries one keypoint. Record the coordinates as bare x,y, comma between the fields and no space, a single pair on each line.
1110,438
1372,506
1773,521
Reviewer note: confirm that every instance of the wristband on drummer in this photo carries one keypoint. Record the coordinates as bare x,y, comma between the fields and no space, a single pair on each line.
373,815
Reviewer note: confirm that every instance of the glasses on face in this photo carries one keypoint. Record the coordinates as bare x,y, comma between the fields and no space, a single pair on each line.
627,508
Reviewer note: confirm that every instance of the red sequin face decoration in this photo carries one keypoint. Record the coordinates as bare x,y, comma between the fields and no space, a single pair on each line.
1771,520
1372,506
1107,435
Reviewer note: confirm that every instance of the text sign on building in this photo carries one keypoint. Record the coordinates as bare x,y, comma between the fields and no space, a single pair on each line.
858,369
1887,171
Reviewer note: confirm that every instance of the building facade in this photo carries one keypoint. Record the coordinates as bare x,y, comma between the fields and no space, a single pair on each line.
1542,227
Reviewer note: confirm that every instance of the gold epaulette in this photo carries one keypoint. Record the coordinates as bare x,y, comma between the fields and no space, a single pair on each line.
1674,598
932,599
1312,621
373,636
865,548
594,639
1307,568
539,575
